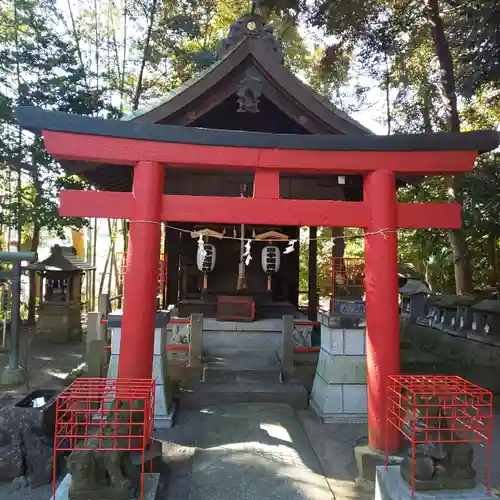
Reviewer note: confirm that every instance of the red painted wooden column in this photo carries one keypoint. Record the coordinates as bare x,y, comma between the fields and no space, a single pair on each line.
381,286
141,279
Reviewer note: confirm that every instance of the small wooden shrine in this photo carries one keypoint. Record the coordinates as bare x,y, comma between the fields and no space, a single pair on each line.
60,310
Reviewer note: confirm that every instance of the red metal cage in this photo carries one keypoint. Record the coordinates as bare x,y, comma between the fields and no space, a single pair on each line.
104,414
347,273
411,409
162,269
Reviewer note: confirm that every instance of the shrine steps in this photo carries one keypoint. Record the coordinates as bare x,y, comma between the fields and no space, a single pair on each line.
222,374
201,394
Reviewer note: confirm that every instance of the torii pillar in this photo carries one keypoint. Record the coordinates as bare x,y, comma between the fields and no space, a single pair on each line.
141,278
381,287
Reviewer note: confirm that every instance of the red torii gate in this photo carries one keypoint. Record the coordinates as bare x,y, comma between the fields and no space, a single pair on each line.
149,148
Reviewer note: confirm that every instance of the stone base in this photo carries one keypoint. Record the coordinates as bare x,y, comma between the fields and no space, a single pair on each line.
164,407
338,418
12,377
391,486
369,460
150,487
165,420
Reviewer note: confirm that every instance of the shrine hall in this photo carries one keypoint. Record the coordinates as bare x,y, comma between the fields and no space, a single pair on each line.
247,153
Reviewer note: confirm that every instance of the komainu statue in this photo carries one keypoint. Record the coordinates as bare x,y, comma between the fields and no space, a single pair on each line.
110,474
438,465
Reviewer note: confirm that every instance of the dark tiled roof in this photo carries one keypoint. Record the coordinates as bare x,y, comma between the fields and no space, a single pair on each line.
61,259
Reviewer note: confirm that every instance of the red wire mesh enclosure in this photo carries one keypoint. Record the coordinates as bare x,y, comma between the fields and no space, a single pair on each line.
162,269
414,401
347,275
103,414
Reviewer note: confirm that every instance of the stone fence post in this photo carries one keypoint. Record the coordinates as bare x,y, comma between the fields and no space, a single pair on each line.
287,345
196,340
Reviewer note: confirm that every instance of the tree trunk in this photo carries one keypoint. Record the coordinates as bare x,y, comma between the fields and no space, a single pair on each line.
140,77
491,252
35,243
463,270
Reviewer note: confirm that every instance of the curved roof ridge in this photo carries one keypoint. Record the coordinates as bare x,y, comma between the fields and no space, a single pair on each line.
284,78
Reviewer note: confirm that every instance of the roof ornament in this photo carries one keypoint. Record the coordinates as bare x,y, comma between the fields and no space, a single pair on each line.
252,26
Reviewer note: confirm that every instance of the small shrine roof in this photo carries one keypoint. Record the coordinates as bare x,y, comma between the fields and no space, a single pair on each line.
62,259
414,287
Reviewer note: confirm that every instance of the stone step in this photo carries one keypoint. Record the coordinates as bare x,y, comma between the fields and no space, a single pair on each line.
219,374
204,394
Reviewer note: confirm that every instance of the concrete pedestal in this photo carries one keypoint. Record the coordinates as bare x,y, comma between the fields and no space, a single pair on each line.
150,487
12,378
164,407
339,388
391,486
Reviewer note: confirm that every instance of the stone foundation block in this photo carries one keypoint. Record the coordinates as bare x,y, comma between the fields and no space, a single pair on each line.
151,482
339,402
341,369
391,486
339,388
367,460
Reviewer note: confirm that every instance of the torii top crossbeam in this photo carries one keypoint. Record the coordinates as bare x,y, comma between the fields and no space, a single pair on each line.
151,148
78,138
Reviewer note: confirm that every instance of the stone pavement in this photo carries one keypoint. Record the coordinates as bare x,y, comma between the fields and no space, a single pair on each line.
255,451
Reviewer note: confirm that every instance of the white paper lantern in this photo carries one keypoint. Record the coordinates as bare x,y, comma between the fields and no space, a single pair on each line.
271,259
205,258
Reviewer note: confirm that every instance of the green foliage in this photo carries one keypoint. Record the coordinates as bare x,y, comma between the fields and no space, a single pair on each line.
38,66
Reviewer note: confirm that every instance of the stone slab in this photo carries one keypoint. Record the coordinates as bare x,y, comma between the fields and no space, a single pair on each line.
335,403
338,418
263,325
116,317
391,486
332,340
354,341
159,343
251,451
150,487
367,460
341,369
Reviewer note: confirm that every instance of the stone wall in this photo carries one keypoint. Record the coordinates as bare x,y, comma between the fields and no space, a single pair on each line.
471,356
339,388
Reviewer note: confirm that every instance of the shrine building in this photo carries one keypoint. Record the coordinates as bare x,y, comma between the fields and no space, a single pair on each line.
248,89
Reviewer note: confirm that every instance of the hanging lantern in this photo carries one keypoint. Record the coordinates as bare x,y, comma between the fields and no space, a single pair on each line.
205,261
271,259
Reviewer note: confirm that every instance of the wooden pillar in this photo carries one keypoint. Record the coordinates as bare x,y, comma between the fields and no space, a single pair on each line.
173,246
141,279
338,250
295,269
382,318
312,301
